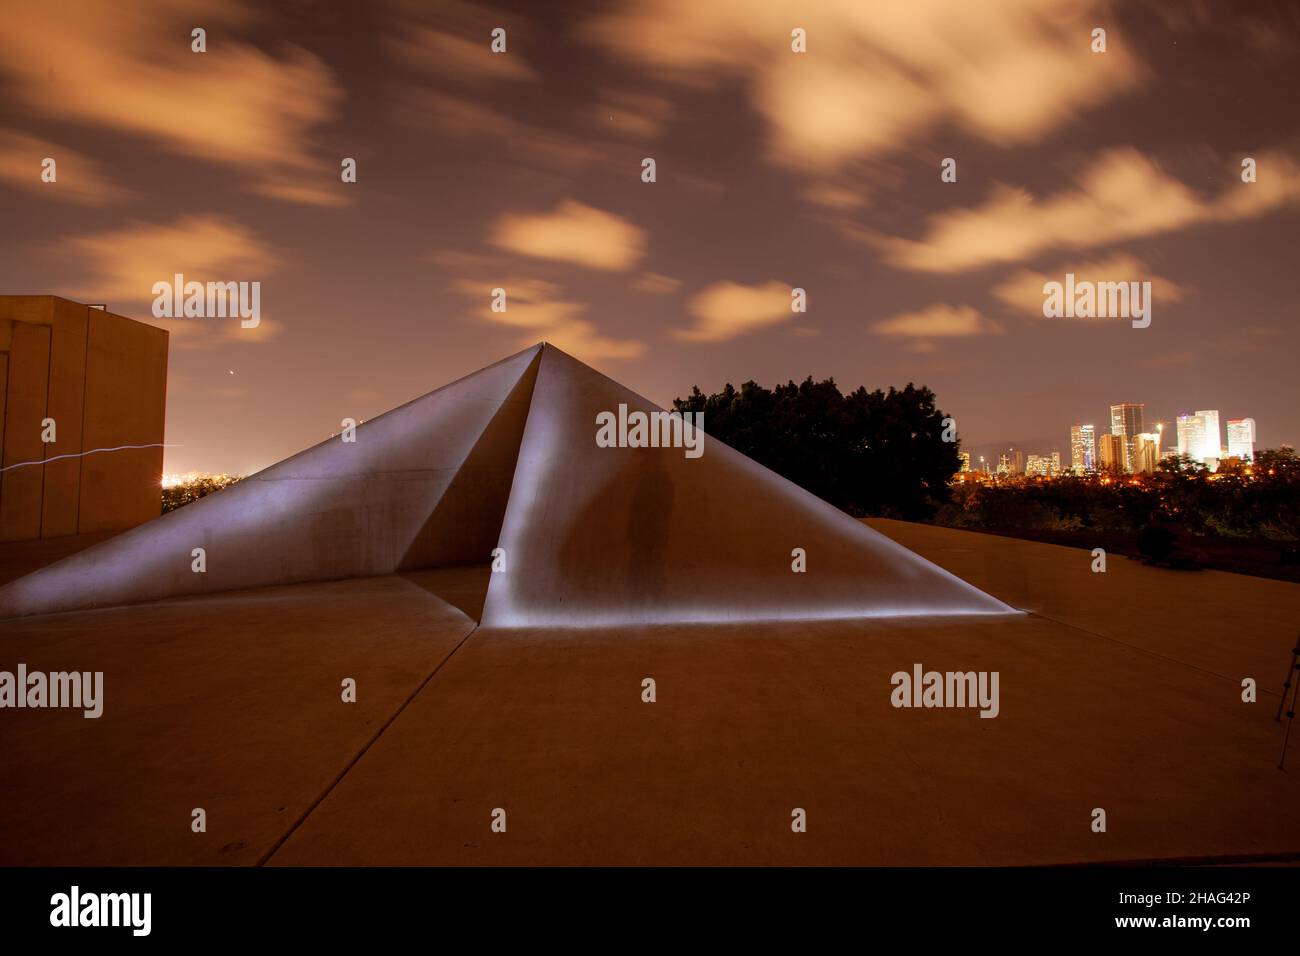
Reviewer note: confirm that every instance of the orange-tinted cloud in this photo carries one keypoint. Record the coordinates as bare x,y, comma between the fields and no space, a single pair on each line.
727,309
1023,292
1123,195
835,196
574,233
539,310
937,321
79,179
130,67
876,76
120,266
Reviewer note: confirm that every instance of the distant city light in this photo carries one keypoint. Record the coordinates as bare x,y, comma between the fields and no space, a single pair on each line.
189,478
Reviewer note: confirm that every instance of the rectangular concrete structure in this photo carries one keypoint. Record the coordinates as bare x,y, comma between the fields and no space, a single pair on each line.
67,397
102,379
26,391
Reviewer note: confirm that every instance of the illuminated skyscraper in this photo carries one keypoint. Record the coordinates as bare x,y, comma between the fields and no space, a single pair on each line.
1083,448
1190,430
1211,450
1146,452
1241,438
1110,453
1126,421
964,458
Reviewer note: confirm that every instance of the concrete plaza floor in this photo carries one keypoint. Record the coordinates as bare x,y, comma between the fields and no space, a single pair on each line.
1119,691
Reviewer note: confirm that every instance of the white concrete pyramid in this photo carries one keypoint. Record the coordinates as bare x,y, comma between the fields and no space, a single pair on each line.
607,536
507,457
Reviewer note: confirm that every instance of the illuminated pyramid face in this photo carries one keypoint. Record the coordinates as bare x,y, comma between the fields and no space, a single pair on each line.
619,535
510,465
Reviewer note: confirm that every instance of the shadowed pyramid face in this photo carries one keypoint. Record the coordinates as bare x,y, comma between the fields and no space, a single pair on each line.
422,485
507,459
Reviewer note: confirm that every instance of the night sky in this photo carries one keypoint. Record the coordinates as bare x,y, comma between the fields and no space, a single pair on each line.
775,169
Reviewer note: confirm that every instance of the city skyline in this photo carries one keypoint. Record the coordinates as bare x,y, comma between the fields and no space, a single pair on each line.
1042,449
386,171
1236,437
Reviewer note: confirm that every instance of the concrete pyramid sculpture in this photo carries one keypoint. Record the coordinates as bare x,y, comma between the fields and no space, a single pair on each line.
599,536
508,459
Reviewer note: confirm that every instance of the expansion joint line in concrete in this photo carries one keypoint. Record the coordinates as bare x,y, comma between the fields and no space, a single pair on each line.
275,847
1140,650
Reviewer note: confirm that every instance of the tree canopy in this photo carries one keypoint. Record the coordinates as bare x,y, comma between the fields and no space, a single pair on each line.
867,453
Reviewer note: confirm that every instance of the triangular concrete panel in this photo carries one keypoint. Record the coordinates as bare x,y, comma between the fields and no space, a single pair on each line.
423,485
466,522
622,536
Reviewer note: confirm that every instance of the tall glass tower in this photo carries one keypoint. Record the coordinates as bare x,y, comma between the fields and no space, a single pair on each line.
1191,436
1083,449
1126,421
1241,437
1210,447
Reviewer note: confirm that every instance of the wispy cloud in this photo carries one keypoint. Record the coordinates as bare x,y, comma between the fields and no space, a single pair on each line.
460,58
467,118
1022,292
880,74
572,232
129,67
451,40
79,179
652,283
837,196
540,311
1122,196
728,309
448,79
937,321
120,267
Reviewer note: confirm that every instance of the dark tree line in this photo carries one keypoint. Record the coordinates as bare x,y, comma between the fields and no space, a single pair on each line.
867,453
